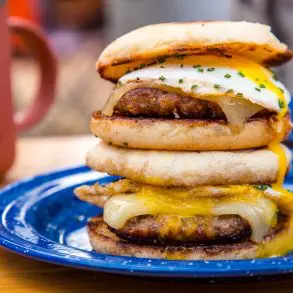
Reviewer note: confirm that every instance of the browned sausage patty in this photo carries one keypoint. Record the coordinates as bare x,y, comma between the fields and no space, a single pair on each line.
163,229
155,103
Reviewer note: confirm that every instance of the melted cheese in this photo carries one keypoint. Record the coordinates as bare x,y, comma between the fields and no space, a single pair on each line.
259,211
241,87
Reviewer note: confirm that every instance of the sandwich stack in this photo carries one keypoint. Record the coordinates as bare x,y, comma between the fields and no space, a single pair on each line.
194,128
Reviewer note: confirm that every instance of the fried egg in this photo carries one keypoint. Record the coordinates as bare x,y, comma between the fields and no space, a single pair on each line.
215,76
241,87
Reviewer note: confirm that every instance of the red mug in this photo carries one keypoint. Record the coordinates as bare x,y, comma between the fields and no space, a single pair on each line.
10,122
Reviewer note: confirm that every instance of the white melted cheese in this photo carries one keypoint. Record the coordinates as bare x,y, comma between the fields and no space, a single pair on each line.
259,215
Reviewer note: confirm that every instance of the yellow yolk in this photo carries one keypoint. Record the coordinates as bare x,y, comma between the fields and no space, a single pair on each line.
282,243
246,68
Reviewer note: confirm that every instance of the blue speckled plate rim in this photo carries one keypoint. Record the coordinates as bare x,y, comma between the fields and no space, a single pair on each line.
130,265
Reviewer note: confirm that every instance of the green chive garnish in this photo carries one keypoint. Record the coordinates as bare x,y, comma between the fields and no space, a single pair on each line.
193,87
239,95
180,80
141,66
257,89
282,91
262,186
162,78
229,91
281,104
241,74
227,75
211,69
262,86
200,69
275,77
216,86
196,66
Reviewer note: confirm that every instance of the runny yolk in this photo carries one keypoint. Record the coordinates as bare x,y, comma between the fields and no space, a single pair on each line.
261,76
283,242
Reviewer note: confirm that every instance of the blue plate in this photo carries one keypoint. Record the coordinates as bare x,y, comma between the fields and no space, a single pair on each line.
41,218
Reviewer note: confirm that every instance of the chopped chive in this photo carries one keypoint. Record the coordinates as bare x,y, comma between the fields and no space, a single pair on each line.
181,65
257,79
216,86
227,75
193,87
262,186
141,66
229,91
196,66
125,143
282,91
281,104
239,95
257,89
161,59
179,56
162,78
275,77
240,73
162,66
262,86
211,69
180,80
200,69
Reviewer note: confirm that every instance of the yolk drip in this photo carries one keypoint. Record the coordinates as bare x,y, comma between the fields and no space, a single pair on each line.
283,242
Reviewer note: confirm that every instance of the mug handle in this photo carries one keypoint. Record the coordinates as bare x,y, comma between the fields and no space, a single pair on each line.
36,42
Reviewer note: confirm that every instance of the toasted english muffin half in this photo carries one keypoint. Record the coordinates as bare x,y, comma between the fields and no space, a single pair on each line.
149,44
185,134
183,168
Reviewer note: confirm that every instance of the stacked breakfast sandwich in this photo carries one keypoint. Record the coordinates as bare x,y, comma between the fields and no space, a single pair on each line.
194,128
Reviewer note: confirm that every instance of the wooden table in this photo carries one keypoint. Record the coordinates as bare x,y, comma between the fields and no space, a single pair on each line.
19,274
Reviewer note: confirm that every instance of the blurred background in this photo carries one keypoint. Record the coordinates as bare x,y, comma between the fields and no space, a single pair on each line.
78,30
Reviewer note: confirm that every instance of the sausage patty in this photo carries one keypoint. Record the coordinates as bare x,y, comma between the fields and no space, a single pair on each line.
156,103
166,229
